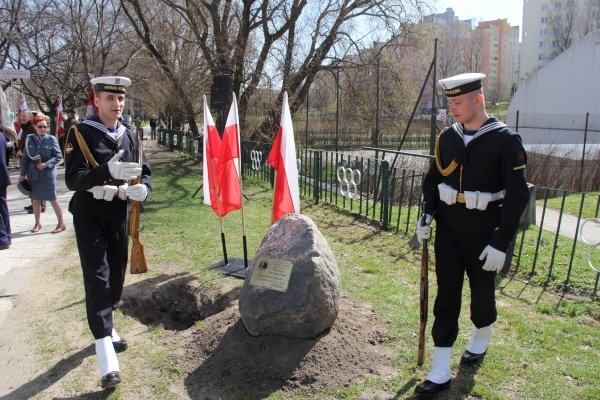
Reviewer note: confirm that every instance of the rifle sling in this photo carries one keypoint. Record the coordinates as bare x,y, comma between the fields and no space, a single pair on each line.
83,146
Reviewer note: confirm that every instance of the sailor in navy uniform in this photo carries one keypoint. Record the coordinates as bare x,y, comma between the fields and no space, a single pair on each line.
476,191
98,164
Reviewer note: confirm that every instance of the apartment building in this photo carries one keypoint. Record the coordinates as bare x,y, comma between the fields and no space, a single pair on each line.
492,48
552,26
499,57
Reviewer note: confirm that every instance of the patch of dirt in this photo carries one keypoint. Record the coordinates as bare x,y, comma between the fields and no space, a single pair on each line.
220,355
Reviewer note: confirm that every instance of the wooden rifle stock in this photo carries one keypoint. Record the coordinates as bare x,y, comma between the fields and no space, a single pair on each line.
423,296
137,264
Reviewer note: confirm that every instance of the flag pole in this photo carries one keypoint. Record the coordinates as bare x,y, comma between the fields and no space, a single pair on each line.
274,191
212,164
242,208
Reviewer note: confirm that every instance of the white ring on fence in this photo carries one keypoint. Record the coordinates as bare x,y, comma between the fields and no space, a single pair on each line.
175,140
167,140
256,158
348,188
590,243
196,146
299,165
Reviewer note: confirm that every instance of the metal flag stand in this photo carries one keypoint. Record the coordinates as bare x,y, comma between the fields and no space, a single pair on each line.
236,267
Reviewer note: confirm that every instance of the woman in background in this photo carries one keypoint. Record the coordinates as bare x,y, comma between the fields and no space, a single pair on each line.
40,156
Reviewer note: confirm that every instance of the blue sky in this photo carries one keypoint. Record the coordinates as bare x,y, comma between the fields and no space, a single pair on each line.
485,10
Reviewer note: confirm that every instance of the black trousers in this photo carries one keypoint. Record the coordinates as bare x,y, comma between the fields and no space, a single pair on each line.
103,248
455,254
4,218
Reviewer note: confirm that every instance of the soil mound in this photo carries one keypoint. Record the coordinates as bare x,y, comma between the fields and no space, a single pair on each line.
221,357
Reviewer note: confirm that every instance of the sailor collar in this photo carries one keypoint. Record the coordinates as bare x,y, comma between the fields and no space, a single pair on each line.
102,128
491,124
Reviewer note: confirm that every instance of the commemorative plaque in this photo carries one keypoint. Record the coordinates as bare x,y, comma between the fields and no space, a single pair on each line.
272,273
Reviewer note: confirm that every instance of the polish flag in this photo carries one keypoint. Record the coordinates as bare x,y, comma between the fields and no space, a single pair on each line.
282,158
60,129
210,157
228,168
91,109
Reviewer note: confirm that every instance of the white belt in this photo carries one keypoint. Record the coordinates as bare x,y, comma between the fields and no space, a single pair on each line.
106,193
472,200
460,197
478,200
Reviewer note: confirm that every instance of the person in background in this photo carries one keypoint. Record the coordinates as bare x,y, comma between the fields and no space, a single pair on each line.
476,191
68,123
40,156
5,232
25,127
153,125
94,170
71,119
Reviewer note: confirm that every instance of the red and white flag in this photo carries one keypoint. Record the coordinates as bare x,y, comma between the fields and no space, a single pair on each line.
228,167
58,116
282,158
91,109
211,149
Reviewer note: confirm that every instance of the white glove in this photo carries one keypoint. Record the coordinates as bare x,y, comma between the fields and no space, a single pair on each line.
447,194
137,192
123,170
123,191
423,230
494,259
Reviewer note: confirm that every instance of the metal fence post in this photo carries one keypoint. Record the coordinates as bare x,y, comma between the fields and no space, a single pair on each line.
385,193
317,177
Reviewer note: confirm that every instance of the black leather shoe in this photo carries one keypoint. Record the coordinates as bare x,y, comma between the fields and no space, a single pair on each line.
111,379
120,346
428,387
29,208
470,358
4,246
31,211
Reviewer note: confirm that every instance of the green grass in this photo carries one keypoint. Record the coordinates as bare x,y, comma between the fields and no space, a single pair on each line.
572,204
551,269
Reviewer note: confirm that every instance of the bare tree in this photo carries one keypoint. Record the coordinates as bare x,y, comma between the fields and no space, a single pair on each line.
66,42
568,21
278,43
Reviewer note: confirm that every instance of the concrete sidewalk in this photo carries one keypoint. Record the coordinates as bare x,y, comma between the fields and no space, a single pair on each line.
30,250
568,225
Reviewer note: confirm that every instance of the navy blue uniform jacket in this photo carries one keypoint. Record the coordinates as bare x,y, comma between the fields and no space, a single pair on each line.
494,160
81,175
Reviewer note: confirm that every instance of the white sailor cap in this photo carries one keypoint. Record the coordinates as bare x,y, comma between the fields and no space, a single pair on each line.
461,84
115,84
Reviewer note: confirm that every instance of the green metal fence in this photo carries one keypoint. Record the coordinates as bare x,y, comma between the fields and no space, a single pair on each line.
379,189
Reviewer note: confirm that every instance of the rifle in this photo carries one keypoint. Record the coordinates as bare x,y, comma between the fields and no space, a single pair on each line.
423,296
134,208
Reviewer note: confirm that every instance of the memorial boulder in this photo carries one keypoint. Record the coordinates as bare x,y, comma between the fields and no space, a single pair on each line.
293,287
